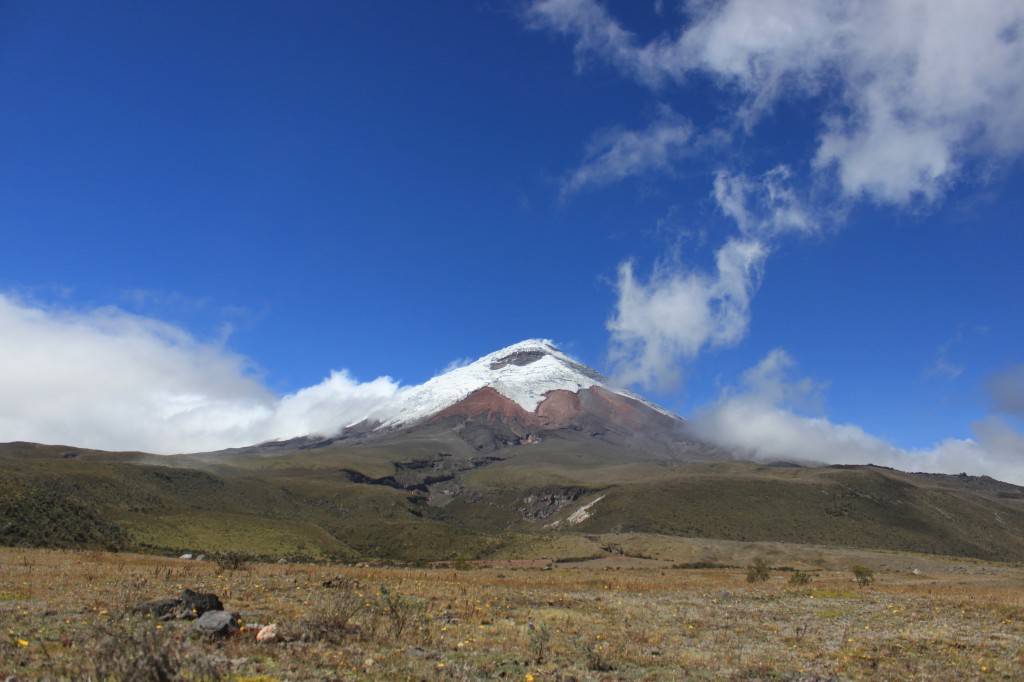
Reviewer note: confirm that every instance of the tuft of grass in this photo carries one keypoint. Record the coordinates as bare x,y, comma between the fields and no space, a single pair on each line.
133,649
539,638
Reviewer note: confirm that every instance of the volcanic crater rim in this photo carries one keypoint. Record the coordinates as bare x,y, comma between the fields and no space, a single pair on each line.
519,358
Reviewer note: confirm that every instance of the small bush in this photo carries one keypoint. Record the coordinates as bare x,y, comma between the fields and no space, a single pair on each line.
759,572
800,578
233,561
863,575
400,612
331,615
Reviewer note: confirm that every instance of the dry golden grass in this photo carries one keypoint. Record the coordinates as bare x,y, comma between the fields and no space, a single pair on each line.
625,619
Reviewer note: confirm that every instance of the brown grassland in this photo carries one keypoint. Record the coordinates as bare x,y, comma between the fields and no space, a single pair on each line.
65,615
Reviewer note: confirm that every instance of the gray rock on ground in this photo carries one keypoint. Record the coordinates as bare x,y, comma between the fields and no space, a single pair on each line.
216,624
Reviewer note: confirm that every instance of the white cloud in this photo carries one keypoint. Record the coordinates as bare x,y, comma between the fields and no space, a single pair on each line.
913,89
618,154
676,313
110,380
762,420
596,34
679,311
908,94
764,207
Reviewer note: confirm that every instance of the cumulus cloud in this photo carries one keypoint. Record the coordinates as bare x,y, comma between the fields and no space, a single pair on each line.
618,154
771,417
111,380
677,312
911,90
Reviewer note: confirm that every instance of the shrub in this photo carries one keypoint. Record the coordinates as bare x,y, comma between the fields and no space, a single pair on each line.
233,561
330,617
799,578
863,575
759,572
401,612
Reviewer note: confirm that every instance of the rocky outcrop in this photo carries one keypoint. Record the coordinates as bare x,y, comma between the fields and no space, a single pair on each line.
541,503
189,605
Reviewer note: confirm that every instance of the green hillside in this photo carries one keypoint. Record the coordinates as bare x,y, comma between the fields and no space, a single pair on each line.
434,499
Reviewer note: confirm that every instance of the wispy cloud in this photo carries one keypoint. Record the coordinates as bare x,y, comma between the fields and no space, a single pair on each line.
597,36
912,90
943,366
107,379
767,417
617,154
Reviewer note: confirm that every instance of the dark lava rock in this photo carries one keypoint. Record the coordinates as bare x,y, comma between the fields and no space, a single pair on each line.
195,604
189,605
163,609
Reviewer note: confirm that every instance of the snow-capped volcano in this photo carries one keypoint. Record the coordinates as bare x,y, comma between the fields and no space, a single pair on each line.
526,394
525,373
529,394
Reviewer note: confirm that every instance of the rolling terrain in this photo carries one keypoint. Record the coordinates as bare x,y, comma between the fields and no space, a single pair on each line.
374,502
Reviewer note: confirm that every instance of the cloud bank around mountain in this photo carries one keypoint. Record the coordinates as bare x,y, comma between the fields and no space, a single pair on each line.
772,416
110,380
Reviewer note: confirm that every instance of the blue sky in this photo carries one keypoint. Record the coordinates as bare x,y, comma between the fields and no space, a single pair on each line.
797,223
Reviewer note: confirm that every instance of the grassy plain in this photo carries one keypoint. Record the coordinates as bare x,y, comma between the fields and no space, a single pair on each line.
643,612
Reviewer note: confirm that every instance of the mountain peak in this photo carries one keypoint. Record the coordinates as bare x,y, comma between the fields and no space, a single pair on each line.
524,373
522,353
